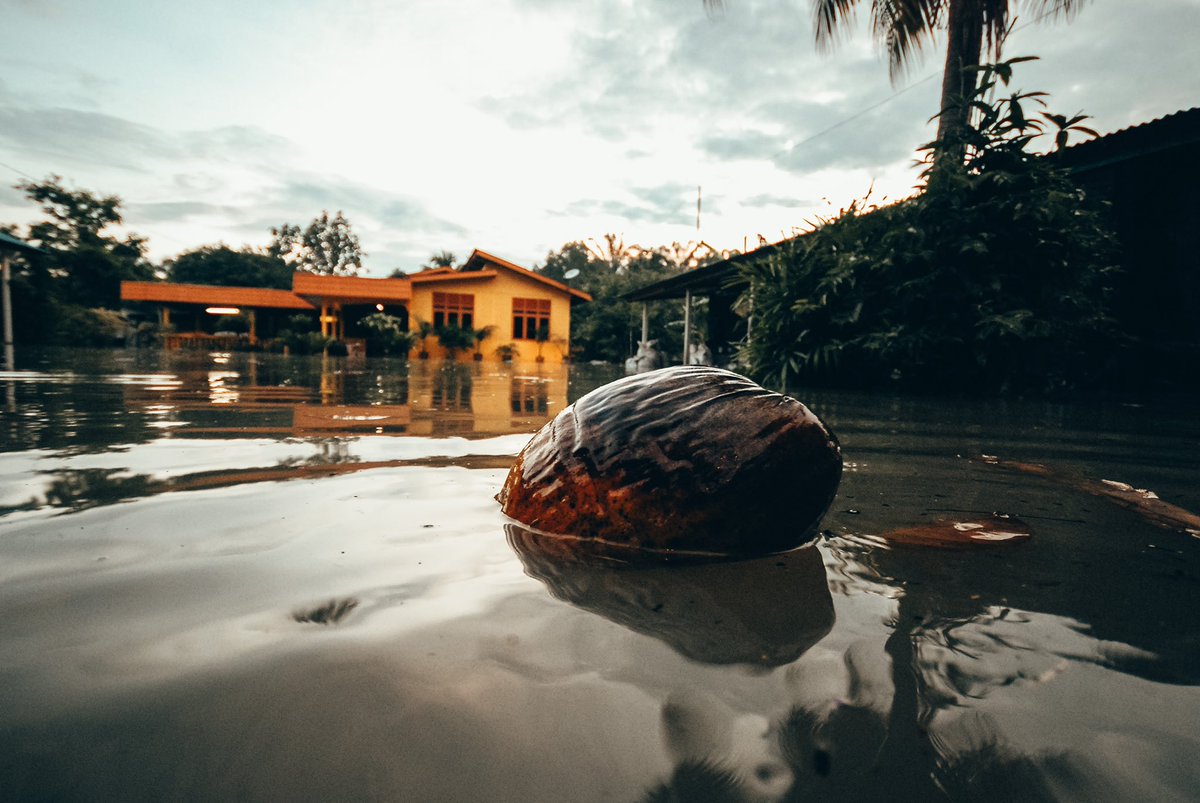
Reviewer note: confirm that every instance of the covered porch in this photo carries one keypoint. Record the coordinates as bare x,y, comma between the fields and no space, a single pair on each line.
195,315
343,301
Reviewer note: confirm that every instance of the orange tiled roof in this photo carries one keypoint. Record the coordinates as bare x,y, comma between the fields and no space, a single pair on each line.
350,288
174,293
483,256
453,276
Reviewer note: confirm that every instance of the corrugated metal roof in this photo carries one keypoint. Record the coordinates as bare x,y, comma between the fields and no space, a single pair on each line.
1180,129
7,241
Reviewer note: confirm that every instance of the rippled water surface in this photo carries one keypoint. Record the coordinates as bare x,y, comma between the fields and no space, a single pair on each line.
251,577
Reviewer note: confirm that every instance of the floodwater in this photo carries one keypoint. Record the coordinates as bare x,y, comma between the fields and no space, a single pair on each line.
261,578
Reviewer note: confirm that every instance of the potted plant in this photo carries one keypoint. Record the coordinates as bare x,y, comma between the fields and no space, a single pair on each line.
506,351
454,339
480,336
388,334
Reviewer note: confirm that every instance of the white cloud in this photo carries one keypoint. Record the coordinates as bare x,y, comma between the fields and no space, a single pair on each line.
512,125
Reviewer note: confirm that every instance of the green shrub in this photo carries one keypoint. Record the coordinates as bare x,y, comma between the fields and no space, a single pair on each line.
994,277
84,326
454,339
387,334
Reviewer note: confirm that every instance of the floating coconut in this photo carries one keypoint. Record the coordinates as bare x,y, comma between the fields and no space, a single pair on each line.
684,461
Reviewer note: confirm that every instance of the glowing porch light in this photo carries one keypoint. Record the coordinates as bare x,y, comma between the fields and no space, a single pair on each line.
222,310
379,307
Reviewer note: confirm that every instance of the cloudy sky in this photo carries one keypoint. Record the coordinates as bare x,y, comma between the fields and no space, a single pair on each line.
509,125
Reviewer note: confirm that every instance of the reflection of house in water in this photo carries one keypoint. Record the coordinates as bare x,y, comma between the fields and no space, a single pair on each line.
364,419
530,396
466,400
472,400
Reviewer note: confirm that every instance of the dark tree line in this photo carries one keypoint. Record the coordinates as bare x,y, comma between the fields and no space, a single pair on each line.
70,294
609,327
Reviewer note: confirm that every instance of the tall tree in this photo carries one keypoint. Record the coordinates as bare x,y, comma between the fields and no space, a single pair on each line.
330,247
85,263
285,243
326,246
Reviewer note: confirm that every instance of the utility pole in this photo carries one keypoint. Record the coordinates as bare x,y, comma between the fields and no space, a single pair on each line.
10,363
7,243
687,296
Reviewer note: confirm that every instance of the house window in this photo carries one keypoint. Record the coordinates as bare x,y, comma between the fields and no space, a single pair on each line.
529,315
453,309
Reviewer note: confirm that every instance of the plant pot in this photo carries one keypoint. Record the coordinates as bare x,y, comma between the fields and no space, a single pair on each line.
478,357
424,355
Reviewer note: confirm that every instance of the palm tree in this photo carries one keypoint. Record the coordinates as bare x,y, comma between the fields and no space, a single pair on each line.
442,259
905,28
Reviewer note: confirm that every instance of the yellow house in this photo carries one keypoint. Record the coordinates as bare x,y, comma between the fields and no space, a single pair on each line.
530,314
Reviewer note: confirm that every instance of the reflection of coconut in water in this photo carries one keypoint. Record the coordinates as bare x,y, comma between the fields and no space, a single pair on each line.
765,612
681,461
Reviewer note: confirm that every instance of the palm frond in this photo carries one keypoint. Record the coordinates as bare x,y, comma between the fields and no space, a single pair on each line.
995,17
829,16
904,27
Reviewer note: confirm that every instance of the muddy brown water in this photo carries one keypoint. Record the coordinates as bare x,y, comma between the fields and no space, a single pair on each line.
236,577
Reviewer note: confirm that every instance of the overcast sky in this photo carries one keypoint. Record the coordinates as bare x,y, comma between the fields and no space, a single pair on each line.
509,125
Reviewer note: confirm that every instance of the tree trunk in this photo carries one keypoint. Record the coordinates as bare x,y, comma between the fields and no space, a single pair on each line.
964,43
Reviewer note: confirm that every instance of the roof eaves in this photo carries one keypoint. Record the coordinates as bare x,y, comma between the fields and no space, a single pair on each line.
7,241
484,256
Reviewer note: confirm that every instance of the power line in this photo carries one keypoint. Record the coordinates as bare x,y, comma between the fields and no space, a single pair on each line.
852,117
1054,11
18,172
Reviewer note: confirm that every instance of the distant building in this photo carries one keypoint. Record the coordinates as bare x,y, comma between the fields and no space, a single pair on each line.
529,314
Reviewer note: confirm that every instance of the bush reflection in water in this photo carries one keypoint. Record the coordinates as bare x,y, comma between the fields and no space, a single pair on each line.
365,630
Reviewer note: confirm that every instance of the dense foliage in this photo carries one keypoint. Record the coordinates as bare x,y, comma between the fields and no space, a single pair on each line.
327,246
221,265
994,276
609,327
387,334
68,293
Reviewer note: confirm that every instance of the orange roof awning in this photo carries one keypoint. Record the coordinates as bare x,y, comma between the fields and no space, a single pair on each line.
210,295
